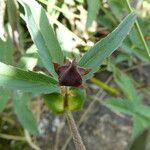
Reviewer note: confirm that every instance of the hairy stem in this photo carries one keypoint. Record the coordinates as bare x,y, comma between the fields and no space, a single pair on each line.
137,27
74,131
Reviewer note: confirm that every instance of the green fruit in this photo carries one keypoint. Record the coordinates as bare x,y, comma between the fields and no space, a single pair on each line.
58,104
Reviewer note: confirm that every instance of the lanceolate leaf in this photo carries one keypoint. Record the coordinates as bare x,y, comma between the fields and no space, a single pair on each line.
126,85
93,8
29,60
6,51
143,111
139,124
25,116
140,142
4,97
98,53
42,35
119,105
27,81
116,8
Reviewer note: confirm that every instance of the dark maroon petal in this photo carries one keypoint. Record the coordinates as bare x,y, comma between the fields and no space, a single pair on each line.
71,80
61,70
56,66
70,77
83,71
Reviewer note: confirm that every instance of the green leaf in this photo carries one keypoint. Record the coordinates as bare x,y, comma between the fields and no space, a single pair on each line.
140,142
141,54
27,81
132,49
102,49
42,34
134,37
93,8
141,119
125,84
25,116
119,105
29,60
143,111
6,51
139,124
104,21
4,97
117,8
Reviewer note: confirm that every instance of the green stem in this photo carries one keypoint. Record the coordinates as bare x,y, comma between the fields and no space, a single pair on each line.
104,86
137,27
12,137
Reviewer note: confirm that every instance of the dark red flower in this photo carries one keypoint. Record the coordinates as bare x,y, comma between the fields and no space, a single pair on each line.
70,74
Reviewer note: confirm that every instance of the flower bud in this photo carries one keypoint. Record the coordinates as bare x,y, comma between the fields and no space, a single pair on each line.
70,74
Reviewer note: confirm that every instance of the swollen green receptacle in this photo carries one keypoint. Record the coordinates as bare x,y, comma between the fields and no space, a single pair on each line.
75,100
55,102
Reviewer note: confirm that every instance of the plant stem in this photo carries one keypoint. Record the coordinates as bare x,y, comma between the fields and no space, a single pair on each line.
137,27
99,96
75,133
12,137
29,140
104,86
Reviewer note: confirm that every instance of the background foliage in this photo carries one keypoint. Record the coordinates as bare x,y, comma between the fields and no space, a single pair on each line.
28,41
